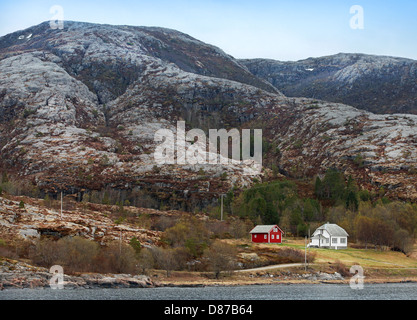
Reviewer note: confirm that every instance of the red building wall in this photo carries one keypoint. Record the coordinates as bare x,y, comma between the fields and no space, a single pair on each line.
259,237
265,238
277,236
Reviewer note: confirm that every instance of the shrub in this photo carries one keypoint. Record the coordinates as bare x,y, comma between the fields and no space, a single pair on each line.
403,241
117,258
77,254
359,160
164,222
169,259
221,257
240,228
135,244
74,254
144,221
341,268
45,253
189,233
145,260
7,251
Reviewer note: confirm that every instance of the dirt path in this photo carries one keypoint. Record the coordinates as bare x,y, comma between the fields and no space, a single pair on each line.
277,266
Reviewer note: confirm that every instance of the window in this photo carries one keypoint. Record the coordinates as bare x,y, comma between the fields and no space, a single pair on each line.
334,240
342,240
277,236
273,237
264,236
255,235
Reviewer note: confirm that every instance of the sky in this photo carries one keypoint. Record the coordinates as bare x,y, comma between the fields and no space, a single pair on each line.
274,29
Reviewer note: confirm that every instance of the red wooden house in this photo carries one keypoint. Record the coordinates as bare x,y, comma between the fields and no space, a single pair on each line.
267,234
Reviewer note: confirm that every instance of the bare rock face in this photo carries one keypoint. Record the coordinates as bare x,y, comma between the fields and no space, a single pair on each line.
377,150
46,89
109,58
86,102
34,221
374,83
79,109
19,275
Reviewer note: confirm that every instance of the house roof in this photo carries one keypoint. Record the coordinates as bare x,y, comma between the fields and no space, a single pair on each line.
333,229
318,236
264,228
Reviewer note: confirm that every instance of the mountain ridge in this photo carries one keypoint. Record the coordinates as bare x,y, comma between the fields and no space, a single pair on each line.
166,44
380,84
79,109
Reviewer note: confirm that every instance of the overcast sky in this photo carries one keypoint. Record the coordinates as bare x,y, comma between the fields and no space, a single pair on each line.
276,29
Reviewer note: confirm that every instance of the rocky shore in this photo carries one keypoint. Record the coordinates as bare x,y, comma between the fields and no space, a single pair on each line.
313,276
20,275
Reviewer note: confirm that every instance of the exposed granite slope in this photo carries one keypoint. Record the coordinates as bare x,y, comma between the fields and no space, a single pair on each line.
375,83
19,275
79,109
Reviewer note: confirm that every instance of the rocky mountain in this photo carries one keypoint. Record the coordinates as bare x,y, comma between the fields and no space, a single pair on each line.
105,58
374,83
92,222
79,109
80,106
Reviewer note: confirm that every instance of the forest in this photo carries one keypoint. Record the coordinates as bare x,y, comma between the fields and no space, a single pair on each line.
368,217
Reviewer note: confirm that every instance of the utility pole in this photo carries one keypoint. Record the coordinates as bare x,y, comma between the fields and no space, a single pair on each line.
120,243
61,205
305,254
309,240
221,212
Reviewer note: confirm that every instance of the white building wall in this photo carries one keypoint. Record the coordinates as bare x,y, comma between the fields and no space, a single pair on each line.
338,243
326,240
314,242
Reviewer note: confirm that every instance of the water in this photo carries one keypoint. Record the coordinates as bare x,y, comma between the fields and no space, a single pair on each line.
403,291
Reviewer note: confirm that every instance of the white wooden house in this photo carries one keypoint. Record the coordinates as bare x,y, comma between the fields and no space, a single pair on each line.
329,236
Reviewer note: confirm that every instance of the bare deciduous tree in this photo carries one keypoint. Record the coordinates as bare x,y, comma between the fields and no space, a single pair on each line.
221,257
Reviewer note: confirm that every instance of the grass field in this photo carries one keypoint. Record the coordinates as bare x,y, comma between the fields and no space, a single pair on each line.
369,258
379,266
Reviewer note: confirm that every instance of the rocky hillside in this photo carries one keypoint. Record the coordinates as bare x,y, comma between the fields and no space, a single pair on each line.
20,275
93,222
374,83
79,109
108,58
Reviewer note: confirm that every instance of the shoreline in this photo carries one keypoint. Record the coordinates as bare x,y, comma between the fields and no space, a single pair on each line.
201,285
285,282
19,275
